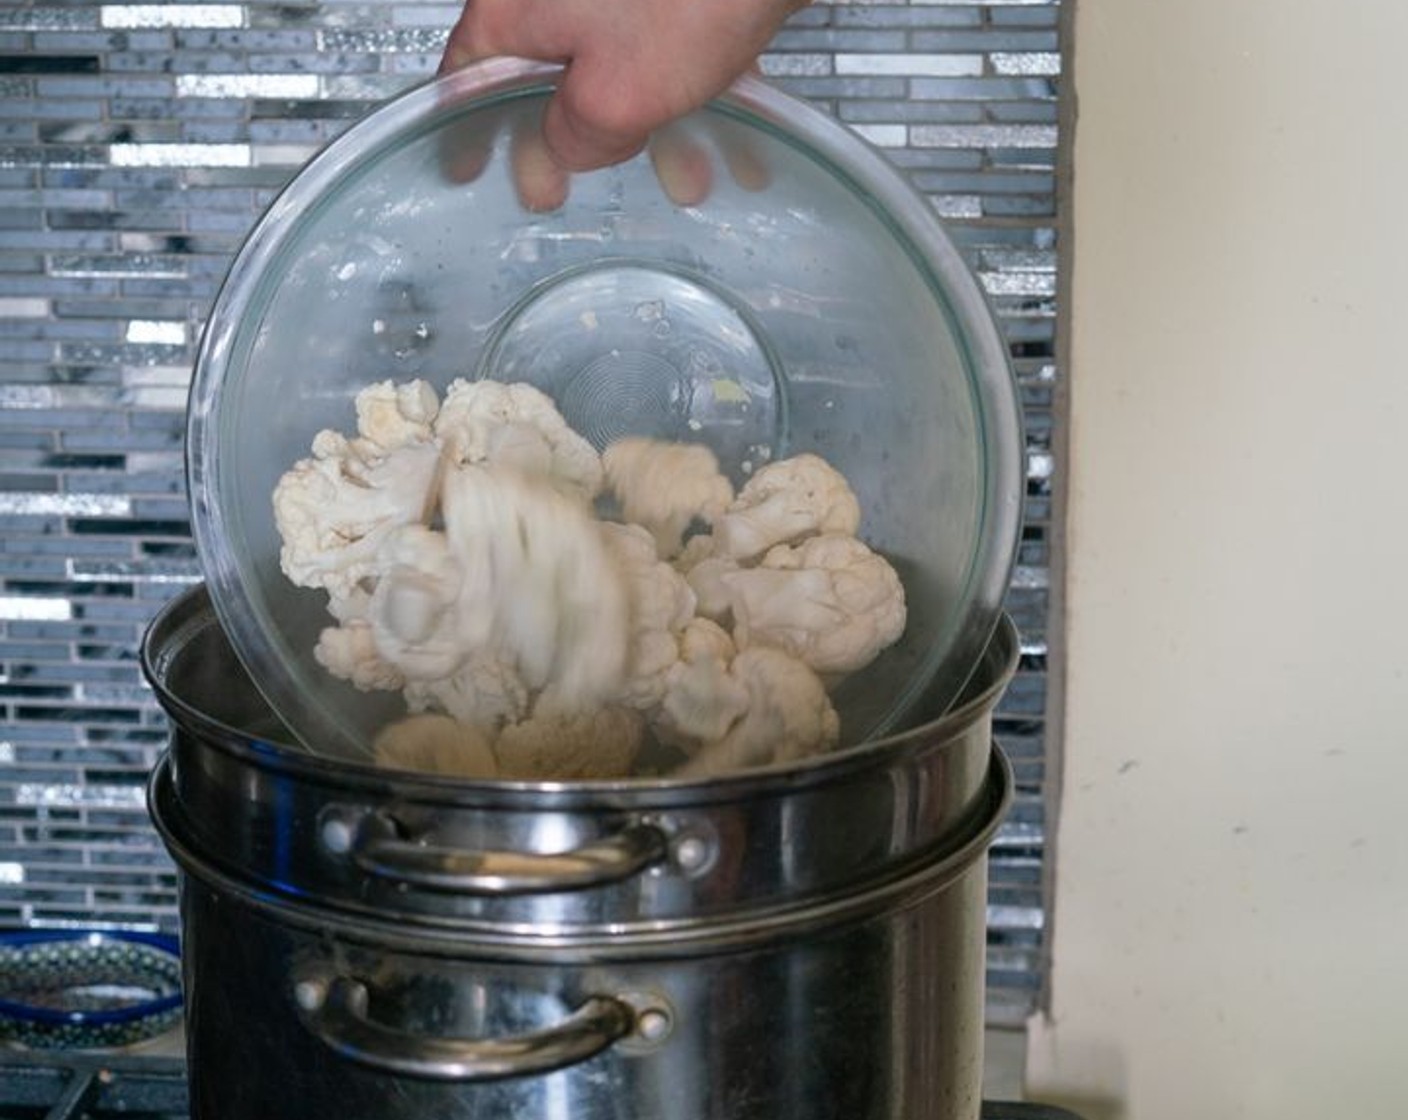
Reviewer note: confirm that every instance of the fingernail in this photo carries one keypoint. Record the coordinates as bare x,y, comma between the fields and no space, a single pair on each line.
682,166
746,166
541,182
465,163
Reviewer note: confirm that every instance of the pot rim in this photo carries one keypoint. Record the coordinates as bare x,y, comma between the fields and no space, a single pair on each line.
184,614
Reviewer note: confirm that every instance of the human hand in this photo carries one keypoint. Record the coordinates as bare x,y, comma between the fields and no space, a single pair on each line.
630,68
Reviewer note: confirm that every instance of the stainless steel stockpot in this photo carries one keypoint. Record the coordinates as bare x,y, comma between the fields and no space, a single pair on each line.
553,860
862,1005
799,943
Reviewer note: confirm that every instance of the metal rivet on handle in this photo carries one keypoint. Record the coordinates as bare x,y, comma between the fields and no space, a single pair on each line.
691,853
337,836
310,994
654,1021
653,1025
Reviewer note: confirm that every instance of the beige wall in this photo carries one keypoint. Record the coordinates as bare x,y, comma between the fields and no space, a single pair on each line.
1231,912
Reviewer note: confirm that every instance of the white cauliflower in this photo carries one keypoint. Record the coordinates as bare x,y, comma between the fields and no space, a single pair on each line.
697,549
829,601
484,692
542,577
784,502
708,579
559,747
660,605
464,566
415,612
354,604
335,510
392,416
703,570
517,426
789,717
435,744
349,653
664,487
702,699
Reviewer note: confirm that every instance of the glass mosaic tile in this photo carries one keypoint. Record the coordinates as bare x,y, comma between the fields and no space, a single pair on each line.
412,40
1034,62
984,136
247,85
172,15
905,64
48,19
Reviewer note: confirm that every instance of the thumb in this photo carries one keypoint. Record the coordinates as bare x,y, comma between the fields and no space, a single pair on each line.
584,130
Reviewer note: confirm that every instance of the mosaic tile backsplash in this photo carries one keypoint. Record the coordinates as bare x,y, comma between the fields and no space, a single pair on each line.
139,142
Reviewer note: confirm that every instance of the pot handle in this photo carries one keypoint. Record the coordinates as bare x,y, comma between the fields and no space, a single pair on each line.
379,849
336,1012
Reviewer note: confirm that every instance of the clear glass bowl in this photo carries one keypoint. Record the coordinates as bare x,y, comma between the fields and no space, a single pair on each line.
810,302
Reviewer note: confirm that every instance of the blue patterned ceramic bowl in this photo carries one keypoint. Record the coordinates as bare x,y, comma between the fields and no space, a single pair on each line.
82,989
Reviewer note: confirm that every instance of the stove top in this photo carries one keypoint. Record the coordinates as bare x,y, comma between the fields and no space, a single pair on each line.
52,1085
55,1085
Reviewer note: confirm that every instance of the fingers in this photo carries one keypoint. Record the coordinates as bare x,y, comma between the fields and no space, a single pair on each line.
465,147
599,116
593,122
613,99
581,145
458,54
460,48
747,166
540,180
488,29
745,163
682,165
518,28
467,144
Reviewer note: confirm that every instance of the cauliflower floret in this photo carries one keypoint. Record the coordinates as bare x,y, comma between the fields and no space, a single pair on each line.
703,568
786,501
660,606
353,606
544,577
335,510
517,426
789,717
518,600
558,747
415,613
703,640
663,487
702,700
349,653
435,744
708,579
484,692
830,601
697,549
392,416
